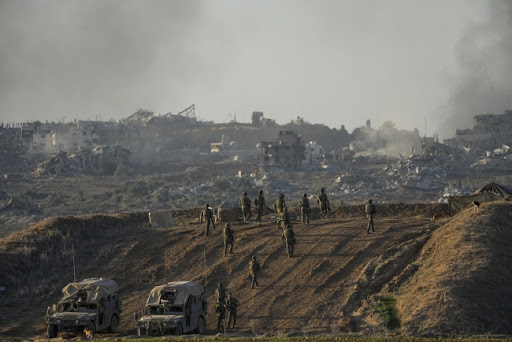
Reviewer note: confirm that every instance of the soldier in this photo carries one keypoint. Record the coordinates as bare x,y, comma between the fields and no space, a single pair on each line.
245,204
220,309
323,202
254,267
207,217
289,236
304,208
220,293
370,213
280,204
259,202
283,219
231,305
227,233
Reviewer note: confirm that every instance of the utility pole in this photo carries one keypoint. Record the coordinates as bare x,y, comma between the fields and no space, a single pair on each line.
73,257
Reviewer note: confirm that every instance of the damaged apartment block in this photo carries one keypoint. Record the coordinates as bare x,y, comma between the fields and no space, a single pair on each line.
287,152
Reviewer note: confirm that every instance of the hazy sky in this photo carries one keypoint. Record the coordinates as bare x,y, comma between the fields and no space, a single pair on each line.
329,61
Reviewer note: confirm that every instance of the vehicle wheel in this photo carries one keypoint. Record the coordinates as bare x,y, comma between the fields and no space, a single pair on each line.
200,326
178,330
113,324
92,327
52,331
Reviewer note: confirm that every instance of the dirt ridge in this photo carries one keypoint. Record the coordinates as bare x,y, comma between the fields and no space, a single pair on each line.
331,285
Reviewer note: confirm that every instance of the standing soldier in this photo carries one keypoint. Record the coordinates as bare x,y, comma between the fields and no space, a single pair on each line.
283,219
220,293
220,309
207,217
254,267
227,233
245,204
370,213
280,204
304,208
259,202
231,305
289,236
323,202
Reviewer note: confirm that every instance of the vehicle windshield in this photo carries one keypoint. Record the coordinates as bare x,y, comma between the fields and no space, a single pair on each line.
163,310
72,306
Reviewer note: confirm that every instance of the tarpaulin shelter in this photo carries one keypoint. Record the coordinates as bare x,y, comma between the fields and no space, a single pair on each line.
182,290
489,193
95,289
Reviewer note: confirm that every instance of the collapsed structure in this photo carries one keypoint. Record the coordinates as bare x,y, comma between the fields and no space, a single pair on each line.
489,132
288,151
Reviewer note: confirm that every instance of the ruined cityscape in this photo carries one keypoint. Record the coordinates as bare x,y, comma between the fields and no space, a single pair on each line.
148,162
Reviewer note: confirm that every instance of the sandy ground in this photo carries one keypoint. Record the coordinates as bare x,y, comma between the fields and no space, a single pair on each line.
320,289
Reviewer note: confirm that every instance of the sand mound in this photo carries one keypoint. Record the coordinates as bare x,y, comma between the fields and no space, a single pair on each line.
463,283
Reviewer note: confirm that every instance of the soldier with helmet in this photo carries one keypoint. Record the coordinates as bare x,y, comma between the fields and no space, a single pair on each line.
229,239
220,293
254,268
283,219
323,202
245,204
280,204
207,217
259,202
220,310
232,308
289,237
305,210
370,213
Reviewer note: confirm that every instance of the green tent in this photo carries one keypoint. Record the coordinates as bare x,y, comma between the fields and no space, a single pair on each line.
489,193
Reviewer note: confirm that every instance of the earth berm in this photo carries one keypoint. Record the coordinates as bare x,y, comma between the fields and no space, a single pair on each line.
449,277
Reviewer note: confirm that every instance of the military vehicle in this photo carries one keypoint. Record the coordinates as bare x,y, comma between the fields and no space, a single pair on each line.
90,304
174,308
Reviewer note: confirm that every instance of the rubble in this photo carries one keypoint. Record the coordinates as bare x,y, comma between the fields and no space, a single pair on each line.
21,206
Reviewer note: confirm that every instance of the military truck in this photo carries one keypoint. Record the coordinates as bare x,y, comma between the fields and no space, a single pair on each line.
174,308
90,304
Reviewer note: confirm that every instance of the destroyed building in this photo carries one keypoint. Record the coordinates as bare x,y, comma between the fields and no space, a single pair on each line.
287,152
102,154
490,131
10,139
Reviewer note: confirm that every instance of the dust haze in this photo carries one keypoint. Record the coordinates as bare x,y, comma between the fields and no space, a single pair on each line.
332,62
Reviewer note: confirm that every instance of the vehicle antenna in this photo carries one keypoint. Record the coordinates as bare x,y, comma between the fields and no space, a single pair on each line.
205,273
73,257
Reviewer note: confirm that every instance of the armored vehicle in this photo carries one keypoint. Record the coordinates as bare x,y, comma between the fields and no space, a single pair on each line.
90,304
174,308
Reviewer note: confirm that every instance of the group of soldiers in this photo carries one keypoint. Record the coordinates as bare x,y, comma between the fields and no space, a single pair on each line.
226,304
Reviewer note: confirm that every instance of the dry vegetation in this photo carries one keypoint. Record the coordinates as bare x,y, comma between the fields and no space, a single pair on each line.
412,277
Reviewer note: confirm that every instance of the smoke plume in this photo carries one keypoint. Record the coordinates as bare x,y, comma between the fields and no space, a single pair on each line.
483,82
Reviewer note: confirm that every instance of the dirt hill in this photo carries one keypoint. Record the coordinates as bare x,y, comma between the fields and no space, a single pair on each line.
335,282
463,283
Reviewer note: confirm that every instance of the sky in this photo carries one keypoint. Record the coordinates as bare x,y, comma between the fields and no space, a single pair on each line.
429,65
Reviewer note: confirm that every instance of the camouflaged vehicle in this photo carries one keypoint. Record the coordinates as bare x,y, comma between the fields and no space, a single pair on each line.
174,308
90,304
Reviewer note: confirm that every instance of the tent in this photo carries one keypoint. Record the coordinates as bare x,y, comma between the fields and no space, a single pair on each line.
489,193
